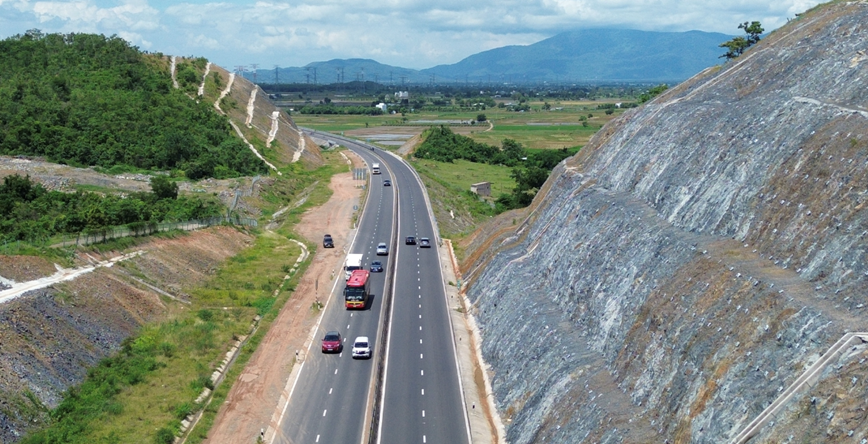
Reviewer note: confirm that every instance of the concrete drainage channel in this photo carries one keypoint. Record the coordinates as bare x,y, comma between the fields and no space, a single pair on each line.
204,399
807,380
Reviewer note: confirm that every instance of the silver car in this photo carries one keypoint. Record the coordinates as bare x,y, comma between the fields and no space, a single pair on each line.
382,249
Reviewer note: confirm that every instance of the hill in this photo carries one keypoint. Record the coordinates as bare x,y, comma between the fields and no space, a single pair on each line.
700,256
594,55
91,100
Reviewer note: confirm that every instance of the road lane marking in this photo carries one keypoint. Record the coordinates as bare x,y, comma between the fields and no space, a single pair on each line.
423,413
336,371
324,412
423,392
420,356
317,438
423,372
332,388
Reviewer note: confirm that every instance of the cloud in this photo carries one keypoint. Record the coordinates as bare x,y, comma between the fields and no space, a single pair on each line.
407,33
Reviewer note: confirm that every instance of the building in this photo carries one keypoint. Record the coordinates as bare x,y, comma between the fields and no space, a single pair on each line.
481,188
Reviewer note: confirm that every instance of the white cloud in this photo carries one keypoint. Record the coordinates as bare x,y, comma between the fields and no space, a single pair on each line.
407,33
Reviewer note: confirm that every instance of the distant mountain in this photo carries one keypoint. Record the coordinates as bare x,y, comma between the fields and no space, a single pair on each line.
594,55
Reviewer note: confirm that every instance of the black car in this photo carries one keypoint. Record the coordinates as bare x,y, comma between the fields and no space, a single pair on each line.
376,266
411,240
424,243
327,241
387,183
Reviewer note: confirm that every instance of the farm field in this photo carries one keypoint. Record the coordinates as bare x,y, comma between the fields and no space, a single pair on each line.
566,125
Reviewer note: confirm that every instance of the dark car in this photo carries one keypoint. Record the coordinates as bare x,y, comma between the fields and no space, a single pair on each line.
376,266
387,183
411,240
332,342
327,241
424,243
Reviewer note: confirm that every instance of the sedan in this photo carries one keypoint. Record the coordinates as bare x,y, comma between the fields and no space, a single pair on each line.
424,243
376,266
411,240
332,342
382,249
387,183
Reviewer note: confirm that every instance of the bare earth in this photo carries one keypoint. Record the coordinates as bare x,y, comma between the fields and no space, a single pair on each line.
251,403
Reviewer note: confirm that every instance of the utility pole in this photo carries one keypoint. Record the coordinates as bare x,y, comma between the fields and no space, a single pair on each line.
254,66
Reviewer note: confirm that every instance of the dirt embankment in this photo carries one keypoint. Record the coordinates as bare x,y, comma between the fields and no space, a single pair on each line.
50,337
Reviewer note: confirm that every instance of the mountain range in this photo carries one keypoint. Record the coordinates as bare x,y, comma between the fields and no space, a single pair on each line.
593,55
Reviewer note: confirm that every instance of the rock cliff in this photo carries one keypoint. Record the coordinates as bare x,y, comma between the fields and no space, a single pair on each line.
696,258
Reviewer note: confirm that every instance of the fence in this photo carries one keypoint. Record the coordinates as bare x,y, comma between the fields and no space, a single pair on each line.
139,229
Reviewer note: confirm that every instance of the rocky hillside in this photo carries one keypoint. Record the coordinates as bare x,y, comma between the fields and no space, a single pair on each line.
682,271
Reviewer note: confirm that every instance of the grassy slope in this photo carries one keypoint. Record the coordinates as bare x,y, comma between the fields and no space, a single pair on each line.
190,344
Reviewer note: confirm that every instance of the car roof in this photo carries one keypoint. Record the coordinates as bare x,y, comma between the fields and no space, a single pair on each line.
381,244
361,339
333,332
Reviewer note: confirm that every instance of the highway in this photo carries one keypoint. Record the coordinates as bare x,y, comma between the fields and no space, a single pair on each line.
334,398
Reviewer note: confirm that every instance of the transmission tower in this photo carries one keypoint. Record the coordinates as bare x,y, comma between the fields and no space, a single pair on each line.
240,70
276,75
254,66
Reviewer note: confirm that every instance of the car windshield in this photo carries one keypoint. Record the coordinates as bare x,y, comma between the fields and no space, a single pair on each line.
331,337
376,263
361,344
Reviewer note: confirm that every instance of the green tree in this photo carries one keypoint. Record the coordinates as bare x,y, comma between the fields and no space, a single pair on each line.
738,45
163,188
480,118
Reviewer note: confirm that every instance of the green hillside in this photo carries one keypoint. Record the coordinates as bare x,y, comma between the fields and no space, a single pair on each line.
91,100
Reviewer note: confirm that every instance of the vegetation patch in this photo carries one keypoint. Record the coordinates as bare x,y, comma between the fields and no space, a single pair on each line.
29,212
84,99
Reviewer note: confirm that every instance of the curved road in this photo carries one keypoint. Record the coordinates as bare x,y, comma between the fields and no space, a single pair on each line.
333,398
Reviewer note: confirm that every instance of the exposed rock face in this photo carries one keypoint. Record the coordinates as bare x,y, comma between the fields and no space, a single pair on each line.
692,261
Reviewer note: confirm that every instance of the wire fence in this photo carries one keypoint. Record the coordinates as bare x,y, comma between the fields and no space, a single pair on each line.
131,230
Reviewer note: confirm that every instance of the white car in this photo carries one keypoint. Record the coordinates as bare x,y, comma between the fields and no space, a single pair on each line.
361,347
382,249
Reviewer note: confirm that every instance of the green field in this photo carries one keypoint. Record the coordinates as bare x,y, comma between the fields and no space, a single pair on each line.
460,175
566,125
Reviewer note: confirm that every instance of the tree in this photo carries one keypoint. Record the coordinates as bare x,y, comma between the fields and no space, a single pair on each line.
738,45
480,118
163,188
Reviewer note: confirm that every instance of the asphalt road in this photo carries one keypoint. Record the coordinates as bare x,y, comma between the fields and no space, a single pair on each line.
330,398
422,399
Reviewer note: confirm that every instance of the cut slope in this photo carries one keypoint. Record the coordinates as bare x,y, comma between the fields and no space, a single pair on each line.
698,255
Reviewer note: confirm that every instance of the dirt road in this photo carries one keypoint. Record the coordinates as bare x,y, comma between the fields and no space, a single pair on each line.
251,403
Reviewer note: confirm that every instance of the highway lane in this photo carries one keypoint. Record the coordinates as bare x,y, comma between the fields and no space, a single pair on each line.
422,400
329,401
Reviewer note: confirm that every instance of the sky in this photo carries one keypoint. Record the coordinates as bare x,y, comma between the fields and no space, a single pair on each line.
405,33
